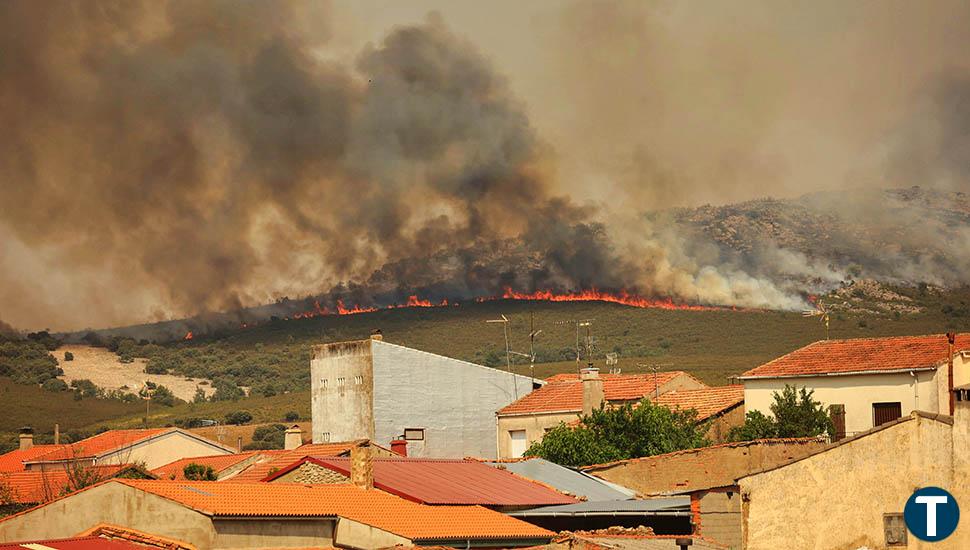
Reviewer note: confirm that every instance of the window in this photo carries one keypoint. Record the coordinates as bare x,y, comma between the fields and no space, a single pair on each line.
358,380
837,414
885,412
325,437
340,382
517,443
323,383
414,434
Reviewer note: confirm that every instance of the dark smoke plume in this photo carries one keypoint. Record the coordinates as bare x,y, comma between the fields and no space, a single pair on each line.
170,158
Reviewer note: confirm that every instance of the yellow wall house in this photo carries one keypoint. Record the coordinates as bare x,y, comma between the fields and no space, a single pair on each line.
150,447
565,397
215,515
866,382
852,494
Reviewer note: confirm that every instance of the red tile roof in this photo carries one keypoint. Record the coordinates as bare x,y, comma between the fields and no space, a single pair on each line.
77,543
706,401
861,355
217,462
449,481
142,539
14,460
100,444
374,508
32,487
565,394
277,460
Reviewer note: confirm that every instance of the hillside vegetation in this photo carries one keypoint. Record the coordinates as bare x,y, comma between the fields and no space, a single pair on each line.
273,358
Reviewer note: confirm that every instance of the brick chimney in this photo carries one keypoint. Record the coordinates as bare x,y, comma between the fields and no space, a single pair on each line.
26,438
376,334
293,437
950,341
592,389
399,447
362,466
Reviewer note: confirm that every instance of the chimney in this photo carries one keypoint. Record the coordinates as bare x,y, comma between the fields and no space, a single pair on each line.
592,389
950,341
376,334
362,466
399,446
57,434
26,438
292,438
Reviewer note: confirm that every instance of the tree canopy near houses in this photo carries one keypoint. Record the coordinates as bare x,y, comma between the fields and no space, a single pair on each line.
629,431
795,413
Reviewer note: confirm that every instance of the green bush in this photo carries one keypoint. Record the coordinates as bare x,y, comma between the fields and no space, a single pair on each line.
239,418
291,416
199,472
68,356
55,385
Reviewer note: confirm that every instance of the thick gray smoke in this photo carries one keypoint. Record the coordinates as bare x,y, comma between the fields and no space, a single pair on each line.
164,158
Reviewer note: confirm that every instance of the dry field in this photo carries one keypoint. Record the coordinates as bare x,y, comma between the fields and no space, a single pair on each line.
104,369
233,435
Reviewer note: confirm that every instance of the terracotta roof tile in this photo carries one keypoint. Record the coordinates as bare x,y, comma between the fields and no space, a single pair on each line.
277,460
100,444
566,393
371,507
32,487
706,401
861,355
116,532
449,481
75,543
217,462
14,460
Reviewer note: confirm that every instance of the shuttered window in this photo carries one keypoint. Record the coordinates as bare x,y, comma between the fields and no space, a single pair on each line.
837,414
885,412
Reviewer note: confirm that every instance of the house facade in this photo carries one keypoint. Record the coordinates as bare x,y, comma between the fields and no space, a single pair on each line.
868,381
442,407
565,397
864,482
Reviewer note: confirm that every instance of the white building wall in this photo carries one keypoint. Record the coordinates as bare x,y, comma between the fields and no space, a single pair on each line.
453,401
341,390
917,391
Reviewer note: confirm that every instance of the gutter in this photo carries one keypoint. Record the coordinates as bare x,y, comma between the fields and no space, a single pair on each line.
849,373
675,513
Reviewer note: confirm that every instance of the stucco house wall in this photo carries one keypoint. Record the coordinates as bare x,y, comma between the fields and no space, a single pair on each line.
921,390
836,499
163,450
452,401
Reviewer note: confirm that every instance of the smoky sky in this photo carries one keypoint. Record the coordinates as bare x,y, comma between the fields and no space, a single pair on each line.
162,159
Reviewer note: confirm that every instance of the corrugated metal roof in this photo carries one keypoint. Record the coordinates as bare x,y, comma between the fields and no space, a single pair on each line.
446,481
673,506
565,479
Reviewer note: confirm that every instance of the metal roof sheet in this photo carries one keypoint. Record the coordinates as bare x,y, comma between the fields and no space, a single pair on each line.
566,479
446,481
672,506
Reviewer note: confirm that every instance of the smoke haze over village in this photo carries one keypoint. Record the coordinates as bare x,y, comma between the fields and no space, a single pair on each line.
162,159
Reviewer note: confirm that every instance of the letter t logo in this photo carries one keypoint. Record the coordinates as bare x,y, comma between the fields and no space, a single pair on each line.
931,502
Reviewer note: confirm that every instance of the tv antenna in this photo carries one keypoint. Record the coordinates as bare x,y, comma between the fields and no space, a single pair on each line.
532,345
612,359
822,313
587,323
655,368
508,352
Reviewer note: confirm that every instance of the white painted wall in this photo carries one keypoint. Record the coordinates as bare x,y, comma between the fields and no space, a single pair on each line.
857,393
454,401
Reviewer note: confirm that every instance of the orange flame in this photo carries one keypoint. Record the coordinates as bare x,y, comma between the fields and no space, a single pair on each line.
188,335
621,297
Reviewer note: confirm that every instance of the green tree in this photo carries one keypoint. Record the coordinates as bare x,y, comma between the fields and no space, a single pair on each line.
164,396
55,385
226,390
199,472
68,356
794,414
199,395
619,433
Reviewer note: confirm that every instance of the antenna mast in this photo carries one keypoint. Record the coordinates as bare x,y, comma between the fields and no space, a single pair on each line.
508,352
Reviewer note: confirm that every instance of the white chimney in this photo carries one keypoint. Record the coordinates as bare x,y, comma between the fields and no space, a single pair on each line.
292,438
26,438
